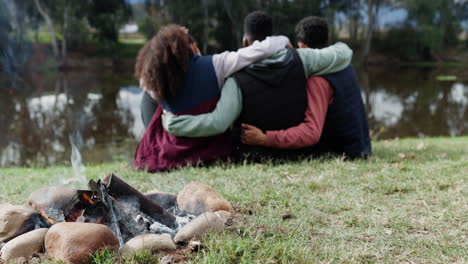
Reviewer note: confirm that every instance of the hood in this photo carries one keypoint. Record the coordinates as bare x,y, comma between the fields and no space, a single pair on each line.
272,71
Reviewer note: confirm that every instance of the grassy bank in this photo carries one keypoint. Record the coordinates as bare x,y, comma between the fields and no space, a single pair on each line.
406,204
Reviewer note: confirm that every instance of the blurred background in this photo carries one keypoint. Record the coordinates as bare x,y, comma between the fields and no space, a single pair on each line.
66,66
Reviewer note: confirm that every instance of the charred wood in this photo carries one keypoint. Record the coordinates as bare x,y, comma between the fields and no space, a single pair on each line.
120,190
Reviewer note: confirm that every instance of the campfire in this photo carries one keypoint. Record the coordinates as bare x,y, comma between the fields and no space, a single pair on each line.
130,218
126,211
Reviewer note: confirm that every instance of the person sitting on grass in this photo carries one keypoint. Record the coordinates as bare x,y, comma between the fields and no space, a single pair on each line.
335,120
180,80
266,95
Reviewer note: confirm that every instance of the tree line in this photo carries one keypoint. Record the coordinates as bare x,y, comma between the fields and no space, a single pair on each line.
70,24
428,29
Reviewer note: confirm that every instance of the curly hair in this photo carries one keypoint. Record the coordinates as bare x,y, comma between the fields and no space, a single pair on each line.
312,31
163,62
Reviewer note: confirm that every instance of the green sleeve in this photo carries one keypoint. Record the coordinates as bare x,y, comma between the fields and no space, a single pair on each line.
217,122
328,60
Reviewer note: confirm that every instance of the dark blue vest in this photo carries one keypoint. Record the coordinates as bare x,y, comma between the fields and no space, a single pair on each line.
200,86
346,131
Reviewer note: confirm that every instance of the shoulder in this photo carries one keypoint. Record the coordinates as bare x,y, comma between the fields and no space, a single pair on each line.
201,59
200,64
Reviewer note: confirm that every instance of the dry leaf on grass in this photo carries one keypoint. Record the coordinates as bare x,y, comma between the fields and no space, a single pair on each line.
406,156
421,146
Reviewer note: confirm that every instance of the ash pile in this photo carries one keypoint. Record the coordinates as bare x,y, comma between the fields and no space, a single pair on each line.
110,214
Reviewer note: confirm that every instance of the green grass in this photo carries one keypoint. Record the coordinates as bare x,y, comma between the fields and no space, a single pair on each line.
387,209
43,36
127,46
135,38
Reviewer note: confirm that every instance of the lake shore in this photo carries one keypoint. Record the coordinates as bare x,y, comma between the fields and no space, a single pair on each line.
407,203
122,58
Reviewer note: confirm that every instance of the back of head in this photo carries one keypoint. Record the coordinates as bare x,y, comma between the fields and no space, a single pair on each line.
257,26
163,62
313,32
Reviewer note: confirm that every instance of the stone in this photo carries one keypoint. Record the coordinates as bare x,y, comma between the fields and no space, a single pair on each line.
195,246
16,220
75,242
24,246
197,198
168,260
165,200
150,242
202,225
57,197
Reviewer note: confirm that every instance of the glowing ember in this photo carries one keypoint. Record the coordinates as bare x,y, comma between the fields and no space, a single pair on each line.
87,198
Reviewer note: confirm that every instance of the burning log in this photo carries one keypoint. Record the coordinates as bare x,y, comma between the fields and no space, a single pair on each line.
80,201
51,215
120,190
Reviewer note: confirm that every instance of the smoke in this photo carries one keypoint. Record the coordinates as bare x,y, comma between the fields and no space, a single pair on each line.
78,168
76,141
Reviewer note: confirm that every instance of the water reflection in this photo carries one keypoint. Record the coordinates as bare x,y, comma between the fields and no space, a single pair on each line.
410,102
395,116
41,110
386,108
128,103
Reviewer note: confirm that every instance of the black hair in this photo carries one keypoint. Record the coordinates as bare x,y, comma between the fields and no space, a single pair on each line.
312,31
258,25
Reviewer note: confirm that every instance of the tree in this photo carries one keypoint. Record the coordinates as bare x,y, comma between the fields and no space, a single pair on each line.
331,8
58,16
372,10
286,14
154,15
205,6
16,18
437,22
355,17
50,25
106,16
5,29
235,12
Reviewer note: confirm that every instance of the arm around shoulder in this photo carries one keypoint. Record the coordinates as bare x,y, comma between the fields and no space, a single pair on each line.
217,122
327,60
229,62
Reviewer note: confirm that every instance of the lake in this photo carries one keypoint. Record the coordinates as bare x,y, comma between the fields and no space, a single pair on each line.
42,113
